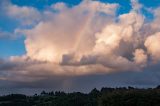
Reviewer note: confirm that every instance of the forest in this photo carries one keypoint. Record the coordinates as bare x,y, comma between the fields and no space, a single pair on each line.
121,96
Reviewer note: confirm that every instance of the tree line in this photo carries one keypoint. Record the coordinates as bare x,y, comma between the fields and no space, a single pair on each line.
122,96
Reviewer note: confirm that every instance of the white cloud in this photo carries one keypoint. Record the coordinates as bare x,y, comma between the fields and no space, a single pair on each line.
140,57
26,15
67,31
88,38
83,39
136,5
152,44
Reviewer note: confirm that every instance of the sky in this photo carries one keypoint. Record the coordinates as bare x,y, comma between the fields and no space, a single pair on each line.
78,45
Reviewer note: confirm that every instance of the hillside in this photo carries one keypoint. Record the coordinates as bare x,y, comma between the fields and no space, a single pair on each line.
105,97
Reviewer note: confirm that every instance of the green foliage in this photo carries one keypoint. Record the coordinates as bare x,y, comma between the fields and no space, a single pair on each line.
105,97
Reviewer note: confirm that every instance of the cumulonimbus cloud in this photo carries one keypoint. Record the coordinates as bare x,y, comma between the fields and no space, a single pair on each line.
89,38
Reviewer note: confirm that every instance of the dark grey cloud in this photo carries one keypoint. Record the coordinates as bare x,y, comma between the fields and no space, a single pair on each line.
36,82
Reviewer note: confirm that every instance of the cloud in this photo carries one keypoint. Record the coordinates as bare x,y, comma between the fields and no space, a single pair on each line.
5,35
77,24
26,15
140,57
89,38
83,40
152,44
136,5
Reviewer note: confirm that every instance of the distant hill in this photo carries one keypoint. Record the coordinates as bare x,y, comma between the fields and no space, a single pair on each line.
105,97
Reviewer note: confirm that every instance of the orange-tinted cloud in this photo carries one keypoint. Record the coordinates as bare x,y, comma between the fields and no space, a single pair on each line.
88,38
